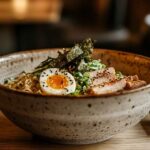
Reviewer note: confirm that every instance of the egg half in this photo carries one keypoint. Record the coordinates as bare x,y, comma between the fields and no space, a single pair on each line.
54,81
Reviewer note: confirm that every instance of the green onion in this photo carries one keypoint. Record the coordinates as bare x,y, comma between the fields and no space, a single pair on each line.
83,81
119,75
91,66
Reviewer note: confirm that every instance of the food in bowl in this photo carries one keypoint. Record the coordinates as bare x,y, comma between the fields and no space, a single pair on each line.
74,72
72,119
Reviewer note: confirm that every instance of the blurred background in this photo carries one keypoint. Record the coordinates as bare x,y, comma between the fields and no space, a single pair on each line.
114,24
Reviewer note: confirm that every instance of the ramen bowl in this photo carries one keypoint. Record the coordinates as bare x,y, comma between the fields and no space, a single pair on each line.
75,120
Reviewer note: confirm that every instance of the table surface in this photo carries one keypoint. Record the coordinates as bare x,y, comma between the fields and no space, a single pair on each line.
14,138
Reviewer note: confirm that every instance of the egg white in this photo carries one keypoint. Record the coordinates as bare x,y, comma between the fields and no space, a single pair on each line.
47,89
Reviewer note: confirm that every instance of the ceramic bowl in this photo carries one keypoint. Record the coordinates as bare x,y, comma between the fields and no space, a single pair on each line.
75,120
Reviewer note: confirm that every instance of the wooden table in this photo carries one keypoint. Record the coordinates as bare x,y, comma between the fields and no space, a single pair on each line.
14,138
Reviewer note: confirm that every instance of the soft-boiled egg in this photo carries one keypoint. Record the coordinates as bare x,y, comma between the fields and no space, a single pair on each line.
54,81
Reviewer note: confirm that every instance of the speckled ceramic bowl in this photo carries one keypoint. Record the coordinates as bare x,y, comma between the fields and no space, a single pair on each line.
72,120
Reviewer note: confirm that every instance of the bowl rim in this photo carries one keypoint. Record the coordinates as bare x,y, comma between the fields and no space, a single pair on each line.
125,92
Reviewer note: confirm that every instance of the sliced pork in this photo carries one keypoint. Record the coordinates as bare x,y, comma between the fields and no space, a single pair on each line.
108,88
134,82
98,73
102,76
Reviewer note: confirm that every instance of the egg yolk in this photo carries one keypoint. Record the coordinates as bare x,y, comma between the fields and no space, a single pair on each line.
57,82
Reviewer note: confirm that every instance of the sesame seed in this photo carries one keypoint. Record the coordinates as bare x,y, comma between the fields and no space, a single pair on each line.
56,72
65,73
66,89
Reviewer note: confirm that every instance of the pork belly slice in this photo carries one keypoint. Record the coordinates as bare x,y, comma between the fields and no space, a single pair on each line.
103,76
134,82
106,77
132,78
97,73
108,88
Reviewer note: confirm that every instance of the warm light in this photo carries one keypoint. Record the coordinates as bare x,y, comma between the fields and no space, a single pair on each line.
147,19
20,8
55,10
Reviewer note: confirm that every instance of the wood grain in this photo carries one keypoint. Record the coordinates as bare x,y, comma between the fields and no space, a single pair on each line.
14,138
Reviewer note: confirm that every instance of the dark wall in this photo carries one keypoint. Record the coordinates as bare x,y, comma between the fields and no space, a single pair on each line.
114,24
